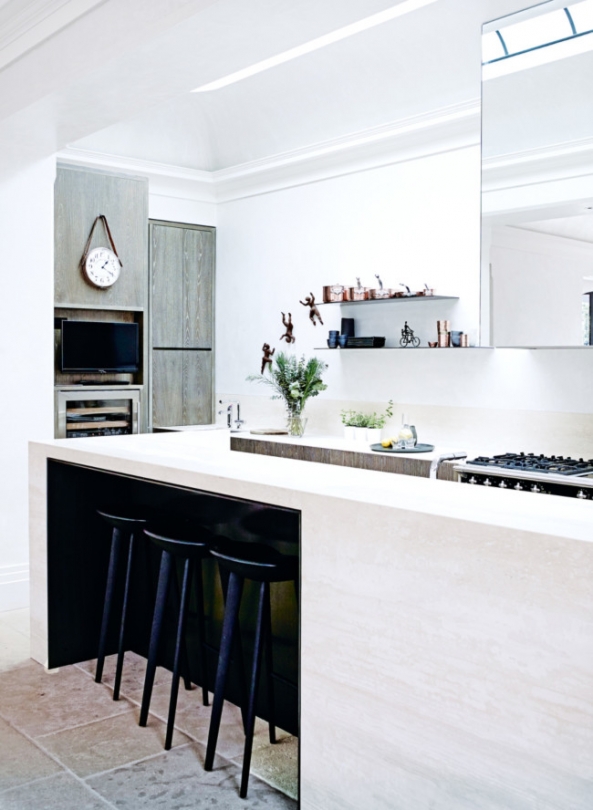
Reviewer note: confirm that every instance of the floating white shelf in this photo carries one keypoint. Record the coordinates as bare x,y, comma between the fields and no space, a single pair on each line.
402,348
406,299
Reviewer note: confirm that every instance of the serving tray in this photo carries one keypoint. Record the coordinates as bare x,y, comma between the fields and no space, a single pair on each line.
419,448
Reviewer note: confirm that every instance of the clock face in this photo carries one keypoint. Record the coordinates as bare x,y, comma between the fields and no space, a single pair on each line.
102,267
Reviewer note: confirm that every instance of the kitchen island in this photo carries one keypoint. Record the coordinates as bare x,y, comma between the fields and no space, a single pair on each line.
446,631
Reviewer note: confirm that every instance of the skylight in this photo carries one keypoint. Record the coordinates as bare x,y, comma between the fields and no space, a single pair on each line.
538,40
399,10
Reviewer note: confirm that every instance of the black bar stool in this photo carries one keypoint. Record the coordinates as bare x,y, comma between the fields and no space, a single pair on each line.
126,522
262,564
179,540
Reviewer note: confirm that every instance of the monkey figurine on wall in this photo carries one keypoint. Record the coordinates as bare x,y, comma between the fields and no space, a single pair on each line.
267,358
288,326
313,311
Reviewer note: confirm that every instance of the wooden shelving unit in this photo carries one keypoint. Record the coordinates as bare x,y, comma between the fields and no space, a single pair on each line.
84,411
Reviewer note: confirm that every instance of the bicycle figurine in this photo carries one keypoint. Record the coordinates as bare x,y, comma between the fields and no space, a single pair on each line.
408,338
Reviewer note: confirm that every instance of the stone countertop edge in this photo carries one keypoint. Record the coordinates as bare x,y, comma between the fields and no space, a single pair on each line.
203,460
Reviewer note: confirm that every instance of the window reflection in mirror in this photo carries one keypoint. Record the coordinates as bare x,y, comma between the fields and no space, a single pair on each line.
537,176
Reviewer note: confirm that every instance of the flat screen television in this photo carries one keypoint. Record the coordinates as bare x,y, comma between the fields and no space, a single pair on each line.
97,346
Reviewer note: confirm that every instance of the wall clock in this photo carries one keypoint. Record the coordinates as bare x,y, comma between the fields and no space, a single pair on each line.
101,266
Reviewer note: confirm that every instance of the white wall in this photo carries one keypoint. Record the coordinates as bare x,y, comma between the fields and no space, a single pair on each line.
26,357
412,221
537,288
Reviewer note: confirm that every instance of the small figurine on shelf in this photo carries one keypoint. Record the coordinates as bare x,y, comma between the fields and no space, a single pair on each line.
313,311
267,358
408,338
288,326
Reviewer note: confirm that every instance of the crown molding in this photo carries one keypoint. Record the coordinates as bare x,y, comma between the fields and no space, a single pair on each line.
444,130
23,25
164,180
542,165
520,238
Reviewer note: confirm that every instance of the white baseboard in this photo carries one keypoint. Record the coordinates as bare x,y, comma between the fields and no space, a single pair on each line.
14,587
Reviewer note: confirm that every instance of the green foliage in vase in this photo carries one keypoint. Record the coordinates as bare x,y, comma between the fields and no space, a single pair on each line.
295,380
367,420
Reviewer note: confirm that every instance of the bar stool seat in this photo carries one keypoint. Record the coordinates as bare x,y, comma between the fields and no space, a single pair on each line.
262,564
178,540
127,522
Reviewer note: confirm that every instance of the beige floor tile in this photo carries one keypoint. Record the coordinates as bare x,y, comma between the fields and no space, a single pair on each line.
61,792
193,717
277,764
20,760
15,649
109,743
15,620
133,673
177,781
40,703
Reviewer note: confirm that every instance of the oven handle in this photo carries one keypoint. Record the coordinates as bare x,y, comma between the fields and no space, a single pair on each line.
436,462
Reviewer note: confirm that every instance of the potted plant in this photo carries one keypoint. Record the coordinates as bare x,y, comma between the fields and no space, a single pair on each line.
365,426
354,424
376,422
294,380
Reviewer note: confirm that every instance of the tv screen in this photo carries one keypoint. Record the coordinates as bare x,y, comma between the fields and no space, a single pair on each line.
95,346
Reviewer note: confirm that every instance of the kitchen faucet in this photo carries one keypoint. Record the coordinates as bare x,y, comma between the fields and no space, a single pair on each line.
229,414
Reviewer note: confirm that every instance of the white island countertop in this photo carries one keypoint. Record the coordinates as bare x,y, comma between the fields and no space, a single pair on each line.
193,458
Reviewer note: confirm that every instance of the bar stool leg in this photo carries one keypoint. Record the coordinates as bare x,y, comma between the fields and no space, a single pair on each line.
122,627
179,646
155,634
260,634
202,632
229,625
267,619
185,658
116,540
224,577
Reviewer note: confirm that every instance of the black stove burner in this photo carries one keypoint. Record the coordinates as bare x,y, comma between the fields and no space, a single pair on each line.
556,465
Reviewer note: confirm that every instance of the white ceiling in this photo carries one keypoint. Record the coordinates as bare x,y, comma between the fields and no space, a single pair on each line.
117,80
579,227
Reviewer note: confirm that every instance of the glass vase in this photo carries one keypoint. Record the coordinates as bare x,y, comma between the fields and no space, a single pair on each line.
296,424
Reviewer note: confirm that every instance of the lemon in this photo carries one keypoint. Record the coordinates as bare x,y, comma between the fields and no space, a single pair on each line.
386,443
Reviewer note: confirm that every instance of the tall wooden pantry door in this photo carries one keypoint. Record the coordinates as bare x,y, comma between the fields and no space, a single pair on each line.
182,261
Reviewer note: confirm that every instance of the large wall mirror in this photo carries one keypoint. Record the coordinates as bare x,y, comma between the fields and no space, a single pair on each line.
537,177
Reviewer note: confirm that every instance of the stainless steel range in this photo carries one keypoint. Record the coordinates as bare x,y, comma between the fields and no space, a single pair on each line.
553,475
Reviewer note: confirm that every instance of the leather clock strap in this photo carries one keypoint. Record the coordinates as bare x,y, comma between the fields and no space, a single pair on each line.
85,253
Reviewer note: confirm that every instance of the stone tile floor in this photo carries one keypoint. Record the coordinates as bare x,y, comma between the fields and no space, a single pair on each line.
65,744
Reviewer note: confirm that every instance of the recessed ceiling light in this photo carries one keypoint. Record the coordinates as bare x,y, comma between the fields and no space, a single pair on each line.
315,44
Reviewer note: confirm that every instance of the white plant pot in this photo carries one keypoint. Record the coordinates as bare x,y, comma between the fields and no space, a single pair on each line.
349,432
360,434
374,435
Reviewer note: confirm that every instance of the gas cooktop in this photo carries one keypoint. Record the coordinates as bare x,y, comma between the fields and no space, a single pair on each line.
529,462
553,475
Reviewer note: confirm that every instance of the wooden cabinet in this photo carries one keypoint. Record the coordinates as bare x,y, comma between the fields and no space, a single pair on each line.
80,195
181,387
181,284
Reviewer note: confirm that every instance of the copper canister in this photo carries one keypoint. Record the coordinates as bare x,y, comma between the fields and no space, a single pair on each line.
443,340
358,293
464,341
443,327
334,293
